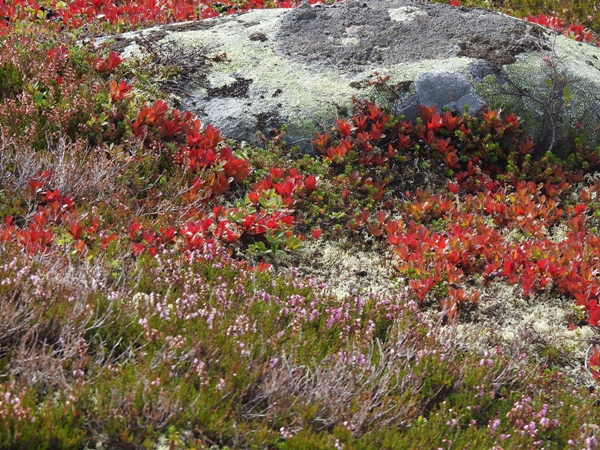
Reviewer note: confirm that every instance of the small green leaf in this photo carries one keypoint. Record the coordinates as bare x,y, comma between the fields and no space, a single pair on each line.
567,94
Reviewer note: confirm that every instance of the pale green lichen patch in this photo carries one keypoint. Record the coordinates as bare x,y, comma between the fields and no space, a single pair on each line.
350,41
574,53
558,86
525,91
347,271
491,89
405,13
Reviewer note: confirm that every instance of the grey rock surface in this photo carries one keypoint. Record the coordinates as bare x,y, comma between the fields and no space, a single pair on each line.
355,34
300,67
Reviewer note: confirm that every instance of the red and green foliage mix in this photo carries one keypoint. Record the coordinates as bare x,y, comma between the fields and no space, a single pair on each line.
124,14
138,289
490,223
573,31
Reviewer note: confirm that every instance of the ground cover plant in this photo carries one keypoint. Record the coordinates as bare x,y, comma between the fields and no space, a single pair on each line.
148,288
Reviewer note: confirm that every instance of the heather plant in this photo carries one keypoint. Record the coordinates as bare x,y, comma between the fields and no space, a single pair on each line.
48,95
188,343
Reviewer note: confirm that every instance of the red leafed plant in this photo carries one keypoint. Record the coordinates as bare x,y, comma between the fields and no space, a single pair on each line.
112,61
422,287
574,31
119,91
593,363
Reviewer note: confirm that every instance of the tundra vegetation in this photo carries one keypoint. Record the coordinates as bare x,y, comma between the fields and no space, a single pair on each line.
147,295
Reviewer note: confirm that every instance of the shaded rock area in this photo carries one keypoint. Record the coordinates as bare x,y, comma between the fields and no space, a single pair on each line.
257,71
355,34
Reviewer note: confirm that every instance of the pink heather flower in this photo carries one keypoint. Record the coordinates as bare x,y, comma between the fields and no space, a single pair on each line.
285,433
543,411
531,429
486,362
330,322
412,306
493,426
163,312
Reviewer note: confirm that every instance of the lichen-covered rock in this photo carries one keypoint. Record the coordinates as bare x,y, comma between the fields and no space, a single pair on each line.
300,67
